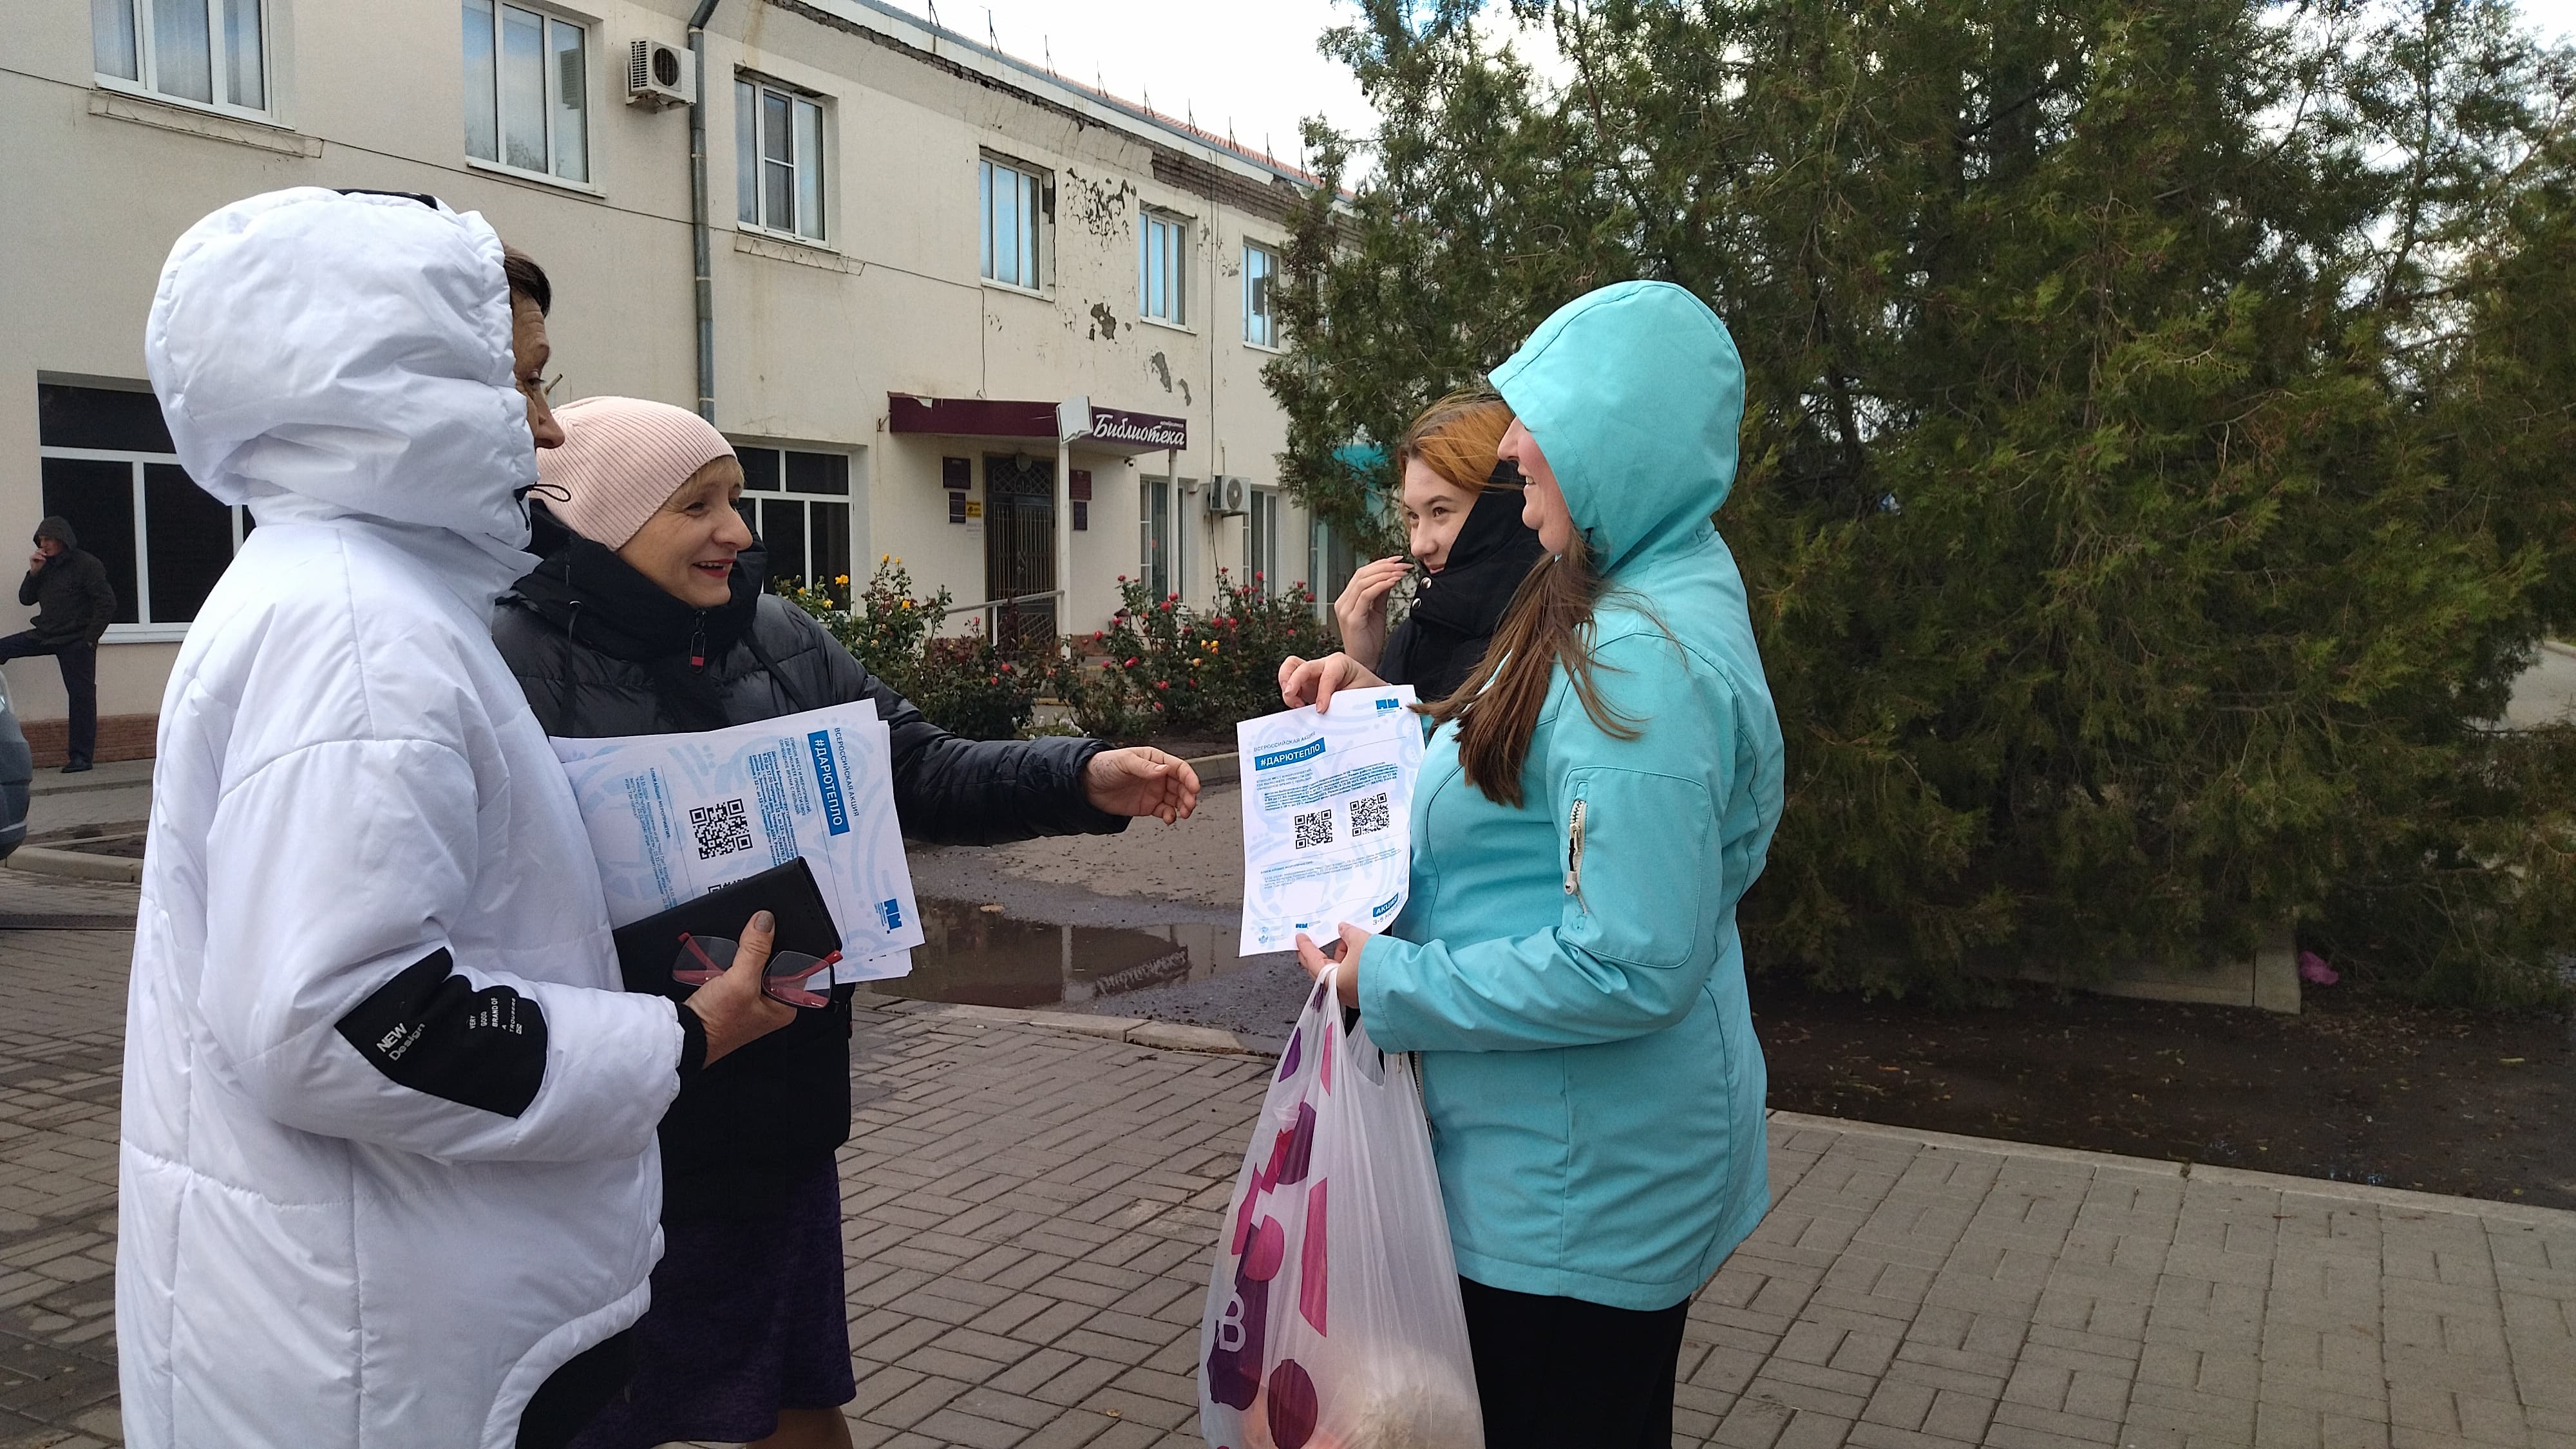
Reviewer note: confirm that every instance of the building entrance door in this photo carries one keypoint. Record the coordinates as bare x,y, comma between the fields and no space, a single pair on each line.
1019,544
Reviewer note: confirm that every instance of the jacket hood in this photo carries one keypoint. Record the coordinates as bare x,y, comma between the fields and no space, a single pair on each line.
58,528
323,356
1636,395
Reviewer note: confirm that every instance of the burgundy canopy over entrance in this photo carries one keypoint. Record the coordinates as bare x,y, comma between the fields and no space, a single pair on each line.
1097,429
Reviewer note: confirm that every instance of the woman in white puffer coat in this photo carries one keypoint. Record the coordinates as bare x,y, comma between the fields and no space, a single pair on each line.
388,1148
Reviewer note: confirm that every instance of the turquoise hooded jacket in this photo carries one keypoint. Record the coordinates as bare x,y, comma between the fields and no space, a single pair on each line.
1577,994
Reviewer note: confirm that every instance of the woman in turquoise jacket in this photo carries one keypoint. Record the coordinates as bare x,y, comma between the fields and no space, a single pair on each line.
1598,796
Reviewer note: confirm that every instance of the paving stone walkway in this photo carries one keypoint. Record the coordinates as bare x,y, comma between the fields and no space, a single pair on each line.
1030,1209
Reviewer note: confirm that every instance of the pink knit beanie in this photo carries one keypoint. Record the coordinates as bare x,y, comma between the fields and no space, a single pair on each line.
622,458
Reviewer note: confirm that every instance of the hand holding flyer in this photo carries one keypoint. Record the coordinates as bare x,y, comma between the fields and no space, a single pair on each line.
672,817
1328,816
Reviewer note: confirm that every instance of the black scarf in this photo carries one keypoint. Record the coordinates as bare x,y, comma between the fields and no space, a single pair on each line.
1456,610
602,603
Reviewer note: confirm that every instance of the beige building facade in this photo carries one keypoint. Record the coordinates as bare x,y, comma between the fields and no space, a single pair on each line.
930,265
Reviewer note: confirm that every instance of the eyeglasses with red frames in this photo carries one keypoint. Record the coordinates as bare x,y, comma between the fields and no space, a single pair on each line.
786,979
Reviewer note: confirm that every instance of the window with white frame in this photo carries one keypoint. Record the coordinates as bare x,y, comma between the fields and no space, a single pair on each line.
1153,535
1162,533
108,470
1013,205
778,158
527,90
1331,559
799,504
213,52
1162,253
1260,268
1261,540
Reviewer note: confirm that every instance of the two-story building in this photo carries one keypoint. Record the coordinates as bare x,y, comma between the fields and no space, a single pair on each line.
957,309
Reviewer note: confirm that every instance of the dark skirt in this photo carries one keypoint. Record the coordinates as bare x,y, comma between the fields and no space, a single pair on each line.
747,1319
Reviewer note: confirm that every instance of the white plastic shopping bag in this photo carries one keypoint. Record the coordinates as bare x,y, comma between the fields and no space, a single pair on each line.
1333,1319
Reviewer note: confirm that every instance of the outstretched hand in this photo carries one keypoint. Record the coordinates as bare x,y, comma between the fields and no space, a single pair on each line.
1141,781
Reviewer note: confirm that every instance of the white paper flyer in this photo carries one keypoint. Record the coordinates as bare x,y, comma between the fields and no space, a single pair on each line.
1327,816
672,817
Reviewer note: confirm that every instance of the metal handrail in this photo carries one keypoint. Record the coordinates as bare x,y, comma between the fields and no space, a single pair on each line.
990,609
1002,603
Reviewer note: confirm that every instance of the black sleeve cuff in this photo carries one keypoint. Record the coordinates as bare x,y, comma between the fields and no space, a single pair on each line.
693,1042
1083,817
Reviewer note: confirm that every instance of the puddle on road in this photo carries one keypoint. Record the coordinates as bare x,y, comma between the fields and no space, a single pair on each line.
975,954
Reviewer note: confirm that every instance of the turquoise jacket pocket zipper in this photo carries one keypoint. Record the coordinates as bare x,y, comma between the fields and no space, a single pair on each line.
1574,849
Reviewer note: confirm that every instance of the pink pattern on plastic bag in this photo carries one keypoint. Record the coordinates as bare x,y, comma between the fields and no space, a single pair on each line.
1293,1405
1311,1260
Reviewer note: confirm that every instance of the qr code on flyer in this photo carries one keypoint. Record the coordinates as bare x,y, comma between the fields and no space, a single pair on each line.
1314,828
722,829
1368,816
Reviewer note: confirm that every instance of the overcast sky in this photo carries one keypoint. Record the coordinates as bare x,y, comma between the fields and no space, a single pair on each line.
1248,64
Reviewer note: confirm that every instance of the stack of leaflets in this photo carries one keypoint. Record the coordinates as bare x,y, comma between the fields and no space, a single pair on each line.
672,817
1328,816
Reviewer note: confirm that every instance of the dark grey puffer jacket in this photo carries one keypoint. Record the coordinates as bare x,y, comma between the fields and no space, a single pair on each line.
601,650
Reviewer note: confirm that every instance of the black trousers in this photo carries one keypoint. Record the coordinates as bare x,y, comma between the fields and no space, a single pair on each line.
79,663
1556,1373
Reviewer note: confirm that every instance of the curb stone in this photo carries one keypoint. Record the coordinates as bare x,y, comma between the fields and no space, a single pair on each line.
1217,769
74,865
1135,1031
2525,1214
2108,1161
2522,1214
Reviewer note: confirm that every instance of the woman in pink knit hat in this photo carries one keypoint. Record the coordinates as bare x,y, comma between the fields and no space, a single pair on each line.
648,617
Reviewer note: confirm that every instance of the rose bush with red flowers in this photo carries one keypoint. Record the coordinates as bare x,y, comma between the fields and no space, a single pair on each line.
961,683
1169,669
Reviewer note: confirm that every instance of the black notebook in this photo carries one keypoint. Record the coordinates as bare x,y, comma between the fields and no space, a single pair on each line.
675,952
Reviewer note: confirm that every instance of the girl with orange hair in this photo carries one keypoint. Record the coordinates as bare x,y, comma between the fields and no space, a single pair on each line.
1465,536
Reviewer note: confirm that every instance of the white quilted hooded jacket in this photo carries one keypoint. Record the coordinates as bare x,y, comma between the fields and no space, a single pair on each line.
388,1153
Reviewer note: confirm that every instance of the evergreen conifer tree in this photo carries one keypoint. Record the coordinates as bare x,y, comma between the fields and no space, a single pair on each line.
2157,426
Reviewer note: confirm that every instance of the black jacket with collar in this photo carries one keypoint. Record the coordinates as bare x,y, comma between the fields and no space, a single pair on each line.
601,650
1456,610
73,600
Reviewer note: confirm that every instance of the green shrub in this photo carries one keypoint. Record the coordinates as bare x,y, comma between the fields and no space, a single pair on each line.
1168,669
969,687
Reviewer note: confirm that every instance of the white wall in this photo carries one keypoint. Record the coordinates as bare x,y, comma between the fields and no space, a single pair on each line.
809,339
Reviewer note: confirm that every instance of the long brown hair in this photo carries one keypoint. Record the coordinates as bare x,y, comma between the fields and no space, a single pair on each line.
1457,438
1550,620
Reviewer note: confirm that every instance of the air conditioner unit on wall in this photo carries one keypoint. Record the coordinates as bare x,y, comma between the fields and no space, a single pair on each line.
1225,494
658,75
